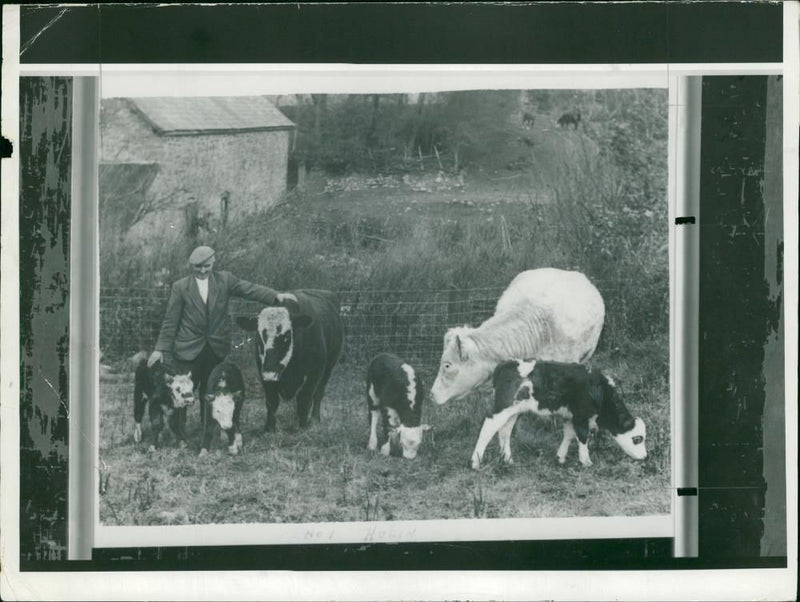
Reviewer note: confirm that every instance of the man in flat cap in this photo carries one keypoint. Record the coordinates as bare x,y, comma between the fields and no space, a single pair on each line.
196,327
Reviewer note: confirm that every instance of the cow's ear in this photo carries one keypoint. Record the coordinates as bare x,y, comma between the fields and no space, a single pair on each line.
466,348
463,355
210,397
247,323
168,378
301,321
426,428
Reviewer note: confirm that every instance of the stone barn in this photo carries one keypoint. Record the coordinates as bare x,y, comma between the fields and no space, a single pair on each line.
210,158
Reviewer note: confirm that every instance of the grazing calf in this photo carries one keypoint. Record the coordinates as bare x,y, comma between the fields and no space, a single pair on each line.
527,121
395,393
224,399
572,118
168,395
584,397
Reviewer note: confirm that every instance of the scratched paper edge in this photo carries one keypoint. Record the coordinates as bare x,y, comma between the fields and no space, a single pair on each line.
8,561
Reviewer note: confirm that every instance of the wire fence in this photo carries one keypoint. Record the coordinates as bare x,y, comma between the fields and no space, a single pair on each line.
409,323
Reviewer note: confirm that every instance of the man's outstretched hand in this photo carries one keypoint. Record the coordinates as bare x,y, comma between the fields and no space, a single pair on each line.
282,298
156,356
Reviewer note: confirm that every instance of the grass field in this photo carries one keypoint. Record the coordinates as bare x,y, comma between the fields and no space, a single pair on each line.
325,473
422,233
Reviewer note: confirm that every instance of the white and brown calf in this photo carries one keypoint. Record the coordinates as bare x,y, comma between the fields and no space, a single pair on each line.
395,394
165,394
224,400
585,398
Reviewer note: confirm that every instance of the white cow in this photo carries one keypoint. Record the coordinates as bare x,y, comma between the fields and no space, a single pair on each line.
544,314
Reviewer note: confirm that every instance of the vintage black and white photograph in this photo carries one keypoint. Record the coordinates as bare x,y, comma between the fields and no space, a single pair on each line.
399,301
328,307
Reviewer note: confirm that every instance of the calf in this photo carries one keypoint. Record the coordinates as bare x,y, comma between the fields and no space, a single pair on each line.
224,399
168,395
585,398
527,121
570,118
395,393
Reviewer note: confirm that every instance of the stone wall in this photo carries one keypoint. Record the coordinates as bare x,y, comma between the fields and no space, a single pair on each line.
250,167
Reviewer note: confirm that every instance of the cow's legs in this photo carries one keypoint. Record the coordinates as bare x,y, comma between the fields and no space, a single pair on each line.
319,392
139,402
386,448
156,423
234,440
234,434
504,438
374,414
305,399
582,434
373,429
569,435
177,422
207,429
491,425
272,400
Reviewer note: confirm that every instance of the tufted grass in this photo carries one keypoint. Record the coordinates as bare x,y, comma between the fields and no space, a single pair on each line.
397,239
326,474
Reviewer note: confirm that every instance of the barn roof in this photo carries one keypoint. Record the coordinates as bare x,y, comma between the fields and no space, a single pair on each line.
119,180
195,115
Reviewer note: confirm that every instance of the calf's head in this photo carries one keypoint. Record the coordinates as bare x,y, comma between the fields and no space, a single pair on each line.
408,437
275,332
461,369
629,433
222,406
411,438
632,441
181,389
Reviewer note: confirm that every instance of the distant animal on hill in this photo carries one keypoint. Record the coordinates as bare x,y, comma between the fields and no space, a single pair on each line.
165,394
547,313
297,347
527,121
585,398
395,395
224,400
572,118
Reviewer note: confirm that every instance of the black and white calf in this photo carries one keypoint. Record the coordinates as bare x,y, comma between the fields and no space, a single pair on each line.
224,399
395,394
585,398
167,394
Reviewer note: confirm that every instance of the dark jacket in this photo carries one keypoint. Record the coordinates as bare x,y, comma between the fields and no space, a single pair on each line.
189,323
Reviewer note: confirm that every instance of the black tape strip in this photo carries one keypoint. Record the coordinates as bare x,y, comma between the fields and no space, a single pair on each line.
6,148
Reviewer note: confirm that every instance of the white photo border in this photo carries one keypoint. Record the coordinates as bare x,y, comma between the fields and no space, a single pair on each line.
742,584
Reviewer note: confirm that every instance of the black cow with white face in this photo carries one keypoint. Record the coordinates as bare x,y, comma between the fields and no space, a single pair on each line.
224,400
585,398
395,394
165,394
297,347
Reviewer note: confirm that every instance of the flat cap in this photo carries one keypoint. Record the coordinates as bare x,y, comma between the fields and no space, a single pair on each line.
201,255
